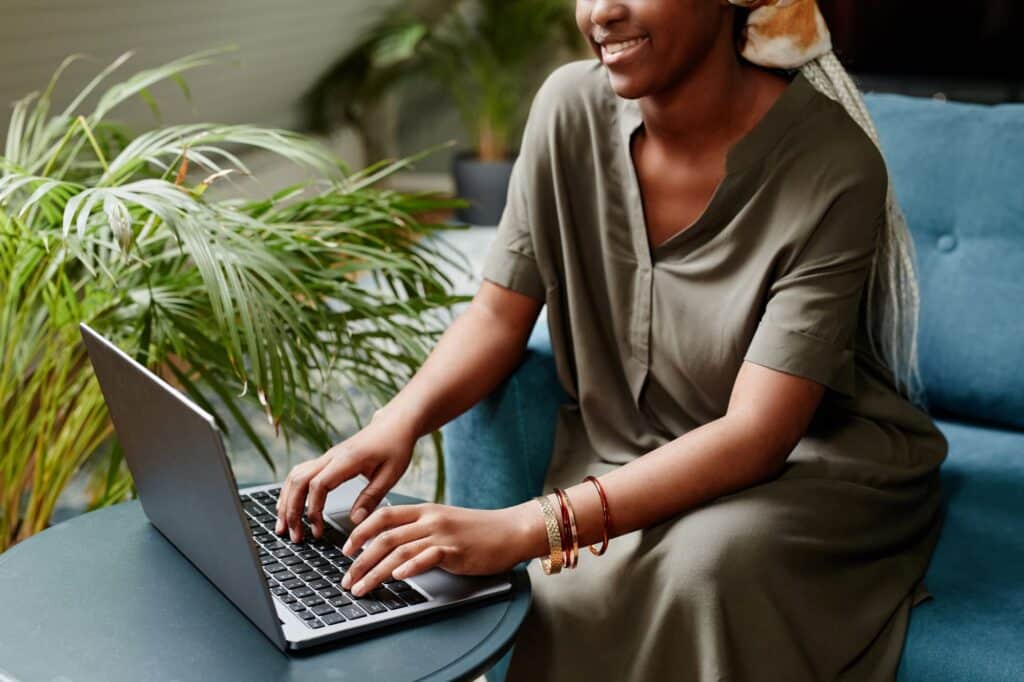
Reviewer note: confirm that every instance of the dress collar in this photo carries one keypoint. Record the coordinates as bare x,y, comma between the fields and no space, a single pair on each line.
756,142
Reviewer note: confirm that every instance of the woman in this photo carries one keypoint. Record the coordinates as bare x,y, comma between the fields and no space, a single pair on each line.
731,304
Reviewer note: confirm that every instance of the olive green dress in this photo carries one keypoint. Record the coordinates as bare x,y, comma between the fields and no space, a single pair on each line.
809,576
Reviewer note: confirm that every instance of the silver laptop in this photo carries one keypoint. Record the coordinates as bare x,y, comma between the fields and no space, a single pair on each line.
292,593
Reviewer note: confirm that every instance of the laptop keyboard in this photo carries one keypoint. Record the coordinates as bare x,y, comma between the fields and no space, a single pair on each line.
306,577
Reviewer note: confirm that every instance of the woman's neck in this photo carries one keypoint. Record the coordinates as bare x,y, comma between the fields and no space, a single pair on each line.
709,110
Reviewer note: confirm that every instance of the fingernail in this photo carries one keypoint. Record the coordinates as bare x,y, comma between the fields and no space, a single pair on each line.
347,547
358,515
358,587
345,582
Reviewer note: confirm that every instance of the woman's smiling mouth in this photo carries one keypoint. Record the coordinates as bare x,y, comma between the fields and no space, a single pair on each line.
617,51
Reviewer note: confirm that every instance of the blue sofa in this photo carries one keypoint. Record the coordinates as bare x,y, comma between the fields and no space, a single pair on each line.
958,171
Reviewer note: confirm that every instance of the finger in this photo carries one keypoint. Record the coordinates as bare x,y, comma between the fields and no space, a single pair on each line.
424,561
282,498
340,467
382,571
296,504
381,546
381,519
421,562
380,482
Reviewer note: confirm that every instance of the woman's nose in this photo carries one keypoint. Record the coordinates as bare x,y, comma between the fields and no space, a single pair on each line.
603,12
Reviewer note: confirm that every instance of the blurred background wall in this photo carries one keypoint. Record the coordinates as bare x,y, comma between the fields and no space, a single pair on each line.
283,47
964,51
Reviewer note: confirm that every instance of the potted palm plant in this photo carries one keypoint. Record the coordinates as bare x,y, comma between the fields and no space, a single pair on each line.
240,302
489,55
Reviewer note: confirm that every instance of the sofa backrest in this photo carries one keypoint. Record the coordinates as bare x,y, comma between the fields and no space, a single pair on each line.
958,172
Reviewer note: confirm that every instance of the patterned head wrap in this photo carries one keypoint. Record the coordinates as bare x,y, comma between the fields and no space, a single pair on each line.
783,34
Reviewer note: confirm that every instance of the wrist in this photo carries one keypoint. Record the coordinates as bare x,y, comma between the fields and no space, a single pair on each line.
531,531
397,420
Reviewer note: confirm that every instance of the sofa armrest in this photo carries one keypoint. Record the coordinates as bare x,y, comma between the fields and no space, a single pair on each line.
496,454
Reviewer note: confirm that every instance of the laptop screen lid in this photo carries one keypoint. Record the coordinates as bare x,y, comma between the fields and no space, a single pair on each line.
187,489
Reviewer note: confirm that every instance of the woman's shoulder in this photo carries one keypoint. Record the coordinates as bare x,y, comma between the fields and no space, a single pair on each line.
573,94
827,143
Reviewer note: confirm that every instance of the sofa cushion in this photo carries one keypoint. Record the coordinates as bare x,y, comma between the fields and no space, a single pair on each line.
973,628
497,452
958,172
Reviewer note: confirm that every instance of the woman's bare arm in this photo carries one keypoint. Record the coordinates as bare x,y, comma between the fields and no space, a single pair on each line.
768,413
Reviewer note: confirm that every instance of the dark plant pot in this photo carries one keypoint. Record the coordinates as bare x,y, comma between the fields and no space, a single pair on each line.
484,184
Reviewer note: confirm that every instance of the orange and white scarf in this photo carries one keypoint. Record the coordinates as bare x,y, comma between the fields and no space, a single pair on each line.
783,34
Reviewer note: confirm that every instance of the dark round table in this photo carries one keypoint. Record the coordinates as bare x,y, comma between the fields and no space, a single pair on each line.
104,596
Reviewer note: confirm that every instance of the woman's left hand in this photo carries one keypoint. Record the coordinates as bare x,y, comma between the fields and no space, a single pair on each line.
408,539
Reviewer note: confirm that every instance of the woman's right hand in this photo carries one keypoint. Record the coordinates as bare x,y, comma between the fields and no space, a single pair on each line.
381,451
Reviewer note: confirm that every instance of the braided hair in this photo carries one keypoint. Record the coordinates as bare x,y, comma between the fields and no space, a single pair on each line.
893,296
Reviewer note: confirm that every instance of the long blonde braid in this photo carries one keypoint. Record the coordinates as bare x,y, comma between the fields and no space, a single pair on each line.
893,297
792,34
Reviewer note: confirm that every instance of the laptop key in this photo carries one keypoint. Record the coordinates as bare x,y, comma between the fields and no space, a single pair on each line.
303,592
334,579
292,583
333,618
307,615
297,607
329,592
371,605
291,560
312,600
279,591
319,584
352,612
397,585
322,609
288,599
413,597
339,601
389,600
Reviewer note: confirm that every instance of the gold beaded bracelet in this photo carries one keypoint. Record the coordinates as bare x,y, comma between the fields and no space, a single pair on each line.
552,563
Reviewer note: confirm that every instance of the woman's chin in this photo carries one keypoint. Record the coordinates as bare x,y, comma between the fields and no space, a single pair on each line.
626,86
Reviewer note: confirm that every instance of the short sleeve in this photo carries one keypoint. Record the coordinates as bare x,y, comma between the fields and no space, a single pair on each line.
810,320
511,260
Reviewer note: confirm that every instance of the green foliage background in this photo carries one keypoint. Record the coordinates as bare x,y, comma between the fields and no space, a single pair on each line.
231,299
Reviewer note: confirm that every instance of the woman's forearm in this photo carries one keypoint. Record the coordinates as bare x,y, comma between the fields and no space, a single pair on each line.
473,356
720,457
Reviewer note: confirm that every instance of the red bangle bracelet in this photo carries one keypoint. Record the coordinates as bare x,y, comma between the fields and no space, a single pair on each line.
606,512
570,547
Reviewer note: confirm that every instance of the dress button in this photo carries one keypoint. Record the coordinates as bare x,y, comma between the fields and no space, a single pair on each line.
947,243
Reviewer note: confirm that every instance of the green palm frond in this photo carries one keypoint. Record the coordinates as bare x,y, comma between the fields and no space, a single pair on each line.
241,302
